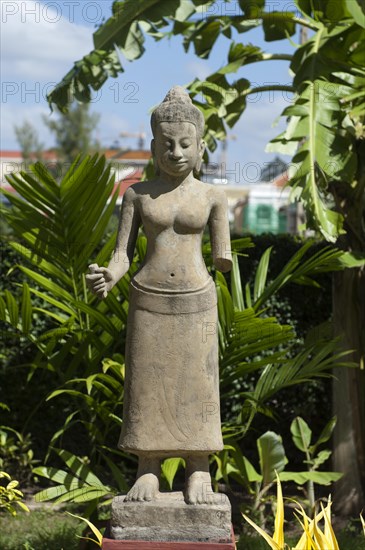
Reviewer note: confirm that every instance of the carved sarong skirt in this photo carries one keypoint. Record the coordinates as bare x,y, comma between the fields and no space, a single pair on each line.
171,398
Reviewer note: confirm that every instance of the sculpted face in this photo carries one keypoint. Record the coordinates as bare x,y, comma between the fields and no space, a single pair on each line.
176,148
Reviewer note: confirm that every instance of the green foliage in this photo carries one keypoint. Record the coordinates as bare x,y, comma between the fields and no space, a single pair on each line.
79,484
272,456
27,138
327,115
245,332
325,123
73,132
272,459
10,496
53,223
81,349
99,537
98,405
232,464
302,438
320,130
169,469
45,529
16,454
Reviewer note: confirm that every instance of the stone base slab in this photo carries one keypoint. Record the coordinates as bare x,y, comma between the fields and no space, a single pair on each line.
112,544
168,519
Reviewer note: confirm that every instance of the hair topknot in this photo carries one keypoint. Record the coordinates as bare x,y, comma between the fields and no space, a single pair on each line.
178,107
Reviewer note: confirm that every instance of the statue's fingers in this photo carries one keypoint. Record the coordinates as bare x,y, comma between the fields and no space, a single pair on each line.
94,268
102,294
94,277
99,286
106,272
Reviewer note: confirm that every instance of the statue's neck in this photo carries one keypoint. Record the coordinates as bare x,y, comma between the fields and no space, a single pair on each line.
176,181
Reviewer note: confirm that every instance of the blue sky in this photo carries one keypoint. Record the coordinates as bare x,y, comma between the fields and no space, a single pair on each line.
41,40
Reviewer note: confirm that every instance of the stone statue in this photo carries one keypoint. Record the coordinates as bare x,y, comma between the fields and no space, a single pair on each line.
171,406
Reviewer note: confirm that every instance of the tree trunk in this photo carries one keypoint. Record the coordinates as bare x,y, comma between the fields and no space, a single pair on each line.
349,391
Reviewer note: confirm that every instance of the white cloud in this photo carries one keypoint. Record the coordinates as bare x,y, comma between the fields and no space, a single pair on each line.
16,116
246,153
198,69
255,128
107,132
110,128
39,43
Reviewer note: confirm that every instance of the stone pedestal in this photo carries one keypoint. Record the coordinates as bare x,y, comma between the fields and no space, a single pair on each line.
168,522
111,544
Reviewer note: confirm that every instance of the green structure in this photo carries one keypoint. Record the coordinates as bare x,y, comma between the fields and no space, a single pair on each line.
266,210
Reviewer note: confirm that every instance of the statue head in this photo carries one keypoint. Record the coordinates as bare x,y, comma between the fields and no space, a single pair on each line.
178,107
178,112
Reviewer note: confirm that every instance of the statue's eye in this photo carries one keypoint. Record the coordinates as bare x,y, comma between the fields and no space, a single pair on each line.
185,144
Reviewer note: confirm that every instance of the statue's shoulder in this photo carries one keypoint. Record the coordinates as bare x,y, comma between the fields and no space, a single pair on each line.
140,188
214,193
130,193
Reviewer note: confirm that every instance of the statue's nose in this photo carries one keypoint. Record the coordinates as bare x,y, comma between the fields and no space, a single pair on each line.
176,153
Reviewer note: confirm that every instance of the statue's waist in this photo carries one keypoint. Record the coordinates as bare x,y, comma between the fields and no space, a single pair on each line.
172,303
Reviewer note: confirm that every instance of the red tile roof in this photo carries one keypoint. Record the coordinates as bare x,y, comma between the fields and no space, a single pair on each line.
10,154
118,154
136,155
128,181
46,155
281,180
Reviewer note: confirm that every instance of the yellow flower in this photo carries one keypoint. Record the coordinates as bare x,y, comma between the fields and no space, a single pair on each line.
313,538
276,542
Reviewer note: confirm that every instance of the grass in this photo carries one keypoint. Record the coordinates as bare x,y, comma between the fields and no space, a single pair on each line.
44,529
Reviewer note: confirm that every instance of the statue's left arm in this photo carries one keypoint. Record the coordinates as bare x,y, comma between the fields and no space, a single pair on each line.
219,231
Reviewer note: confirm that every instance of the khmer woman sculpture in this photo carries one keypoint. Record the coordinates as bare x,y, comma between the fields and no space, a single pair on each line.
171,406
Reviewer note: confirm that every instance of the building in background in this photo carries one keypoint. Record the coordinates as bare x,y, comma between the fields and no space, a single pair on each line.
269,209
266,210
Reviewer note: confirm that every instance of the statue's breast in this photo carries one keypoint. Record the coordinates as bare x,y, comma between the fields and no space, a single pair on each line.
183,214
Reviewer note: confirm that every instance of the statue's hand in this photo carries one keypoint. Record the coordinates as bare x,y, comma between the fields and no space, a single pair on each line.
100,280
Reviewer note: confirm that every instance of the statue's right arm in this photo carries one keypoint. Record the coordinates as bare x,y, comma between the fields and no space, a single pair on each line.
101,280
129,223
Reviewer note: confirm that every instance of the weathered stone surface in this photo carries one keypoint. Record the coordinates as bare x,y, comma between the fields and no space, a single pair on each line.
171,404
169,518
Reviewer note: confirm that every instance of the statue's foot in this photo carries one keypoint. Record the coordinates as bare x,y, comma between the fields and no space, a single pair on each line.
146,488
198,488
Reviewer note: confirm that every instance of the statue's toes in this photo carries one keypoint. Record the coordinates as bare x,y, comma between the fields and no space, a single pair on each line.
199,497
191,497
132,495
140,493
210,499
149,495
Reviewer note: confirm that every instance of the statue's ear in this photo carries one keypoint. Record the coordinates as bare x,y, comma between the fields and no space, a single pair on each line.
153,151
202,147
200,157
